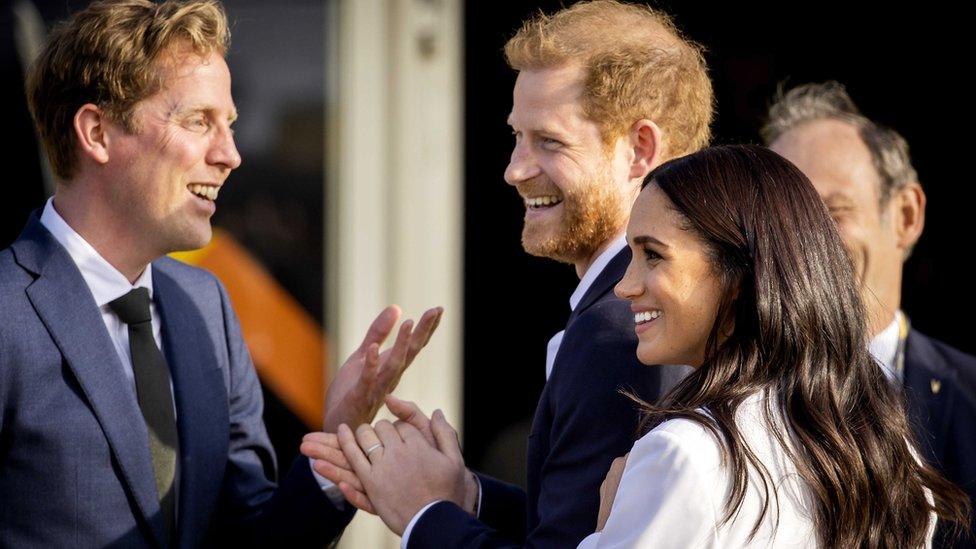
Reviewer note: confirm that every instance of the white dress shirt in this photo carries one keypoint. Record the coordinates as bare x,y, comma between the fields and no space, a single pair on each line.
674,490
106,284
591,274
884,349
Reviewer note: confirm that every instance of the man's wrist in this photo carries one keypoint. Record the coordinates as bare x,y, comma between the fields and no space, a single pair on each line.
472,493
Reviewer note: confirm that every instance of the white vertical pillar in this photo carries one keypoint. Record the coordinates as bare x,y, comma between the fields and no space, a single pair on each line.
394,194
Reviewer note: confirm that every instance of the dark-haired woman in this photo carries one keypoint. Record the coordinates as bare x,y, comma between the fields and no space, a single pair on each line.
787,433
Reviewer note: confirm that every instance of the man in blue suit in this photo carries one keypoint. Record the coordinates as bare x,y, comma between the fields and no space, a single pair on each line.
864,174
130,412
606,91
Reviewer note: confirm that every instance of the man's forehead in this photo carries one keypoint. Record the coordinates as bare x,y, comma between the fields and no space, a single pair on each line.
560,84
195,107
829,152
816,138
837,197
195,83
546,103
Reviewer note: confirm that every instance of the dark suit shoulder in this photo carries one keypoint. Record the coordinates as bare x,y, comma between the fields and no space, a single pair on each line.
183,271
14,305
13,277
609,321
201,285
959,363
600,345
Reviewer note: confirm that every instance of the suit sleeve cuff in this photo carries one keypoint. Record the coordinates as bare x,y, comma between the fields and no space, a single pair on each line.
413,521
329,488
406,532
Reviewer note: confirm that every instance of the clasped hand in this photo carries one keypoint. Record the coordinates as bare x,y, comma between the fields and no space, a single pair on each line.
395,469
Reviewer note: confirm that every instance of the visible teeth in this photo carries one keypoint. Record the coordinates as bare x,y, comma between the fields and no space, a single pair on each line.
542,201
206,191
646,316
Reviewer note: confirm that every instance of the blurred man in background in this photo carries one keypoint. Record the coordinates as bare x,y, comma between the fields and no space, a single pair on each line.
864,174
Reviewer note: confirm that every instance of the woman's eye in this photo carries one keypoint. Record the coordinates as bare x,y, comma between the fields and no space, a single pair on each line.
651,255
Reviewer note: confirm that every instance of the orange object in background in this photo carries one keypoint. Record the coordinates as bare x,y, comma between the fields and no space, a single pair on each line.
286,344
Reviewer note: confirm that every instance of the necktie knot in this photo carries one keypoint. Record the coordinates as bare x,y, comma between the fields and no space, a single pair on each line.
133,307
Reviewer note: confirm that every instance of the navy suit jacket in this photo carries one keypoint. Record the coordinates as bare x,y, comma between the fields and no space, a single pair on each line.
581,424
75,468
940,385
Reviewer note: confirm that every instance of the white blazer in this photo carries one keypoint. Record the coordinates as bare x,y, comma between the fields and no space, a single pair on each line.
674,489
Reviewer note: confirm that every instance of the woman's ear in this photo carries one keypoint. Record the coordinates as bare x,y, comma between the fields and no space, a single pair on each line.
728,323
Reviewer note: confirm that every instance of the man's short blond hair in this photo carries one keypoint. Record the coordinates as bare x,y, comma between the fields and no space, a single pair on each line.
107,55
636,65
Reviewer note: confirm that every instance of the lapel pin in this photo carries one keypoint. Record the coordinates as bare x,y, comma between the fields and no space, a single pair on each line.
936,385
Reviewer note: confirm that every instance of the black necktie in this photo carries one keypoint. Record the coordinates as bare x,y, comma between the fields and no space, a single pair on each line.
155,396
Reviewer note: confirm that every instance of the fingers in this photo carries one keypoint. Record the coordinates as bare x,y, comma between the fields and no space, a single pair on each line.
619,465
325,452
446,436
319,437
381,327
407,411
387,433
357,498
372,366
429,322
410,413
408,432
397,359
369,442
354,454
337,474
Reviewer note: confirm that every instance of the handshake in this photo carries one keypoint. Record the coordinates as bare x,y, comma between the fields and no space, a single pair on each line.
396,470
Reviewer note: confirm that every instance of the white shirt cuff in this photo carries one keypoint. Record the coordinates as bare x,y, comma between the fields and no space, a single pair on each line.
477,509
413,521
329,488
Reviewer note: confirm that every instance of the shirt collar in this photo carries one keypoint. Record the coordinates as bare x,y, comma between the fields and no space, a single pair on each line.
594,270
884,347
105,281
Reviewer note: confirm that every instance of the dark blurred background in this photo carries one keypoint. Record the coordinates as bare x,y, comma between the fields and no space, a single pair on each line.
904,68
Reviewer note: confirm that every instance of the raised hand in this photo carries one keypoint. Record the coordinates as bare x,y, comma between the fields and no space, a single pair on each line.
367,376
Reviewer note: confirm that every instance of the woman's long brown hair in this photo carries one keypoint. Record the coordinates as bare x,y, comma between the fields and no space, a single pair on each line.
797,331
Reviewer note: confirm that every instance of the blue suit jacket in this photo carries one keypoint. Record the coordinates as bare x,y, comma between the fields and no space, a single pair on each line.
940,384
75,468
581,424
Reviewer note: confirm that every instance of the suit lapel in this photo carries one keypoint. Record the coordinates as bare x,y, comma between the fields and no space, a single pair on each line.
604,283
929,389
66,307
201,400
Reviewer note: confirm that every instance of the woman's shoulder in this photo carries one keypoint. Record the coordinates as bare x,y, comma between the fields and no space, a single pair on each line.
702,442
685,441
